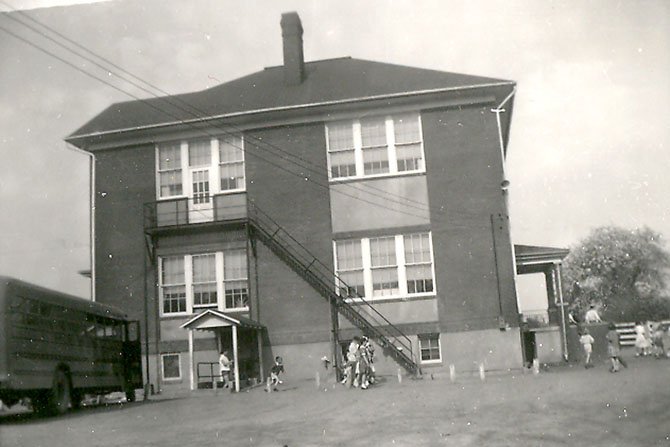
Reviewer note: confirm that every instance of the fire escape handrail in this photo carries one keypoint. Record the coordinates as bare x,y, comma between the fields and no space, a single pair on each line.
254,213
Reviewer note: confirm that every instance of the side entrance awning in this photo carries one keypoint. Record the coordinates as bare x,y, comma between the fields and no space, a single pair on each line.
215,320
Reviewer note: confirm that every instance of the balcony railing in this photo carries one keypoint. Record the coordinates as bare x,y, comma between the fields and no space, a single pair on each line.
187,211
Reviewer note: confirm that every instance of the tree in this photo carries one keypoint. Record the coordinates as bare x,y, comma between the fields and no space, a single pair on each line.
625,273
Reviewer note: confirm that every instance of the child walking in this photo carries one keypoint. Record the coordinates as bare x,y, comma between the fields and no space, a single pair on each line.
587,344
276,369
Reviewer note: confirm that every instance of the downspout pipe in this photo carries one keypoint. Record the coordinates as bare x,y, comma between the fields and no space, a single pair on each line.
91,193
504,185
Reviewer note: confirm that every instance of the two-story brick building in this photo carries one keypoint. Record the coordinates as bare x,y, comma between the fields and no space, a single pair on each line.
288,210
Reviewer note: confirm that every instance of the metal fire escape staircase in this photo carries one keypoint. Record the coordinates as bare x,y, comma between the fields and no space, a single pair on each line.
347,302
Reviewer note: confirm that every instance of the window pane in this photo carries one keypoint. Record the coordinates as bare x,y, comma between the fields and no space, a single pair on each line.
340,136
417,248
232,176
231,149
385,282
409,157
204,268
406,129
173,270
375,161
171,366
349,255
200,186
419,278
170,183
236,294
174,299
352,283
204,294
199,153
382,251
373,132
169,156
342,164
430,347
235,264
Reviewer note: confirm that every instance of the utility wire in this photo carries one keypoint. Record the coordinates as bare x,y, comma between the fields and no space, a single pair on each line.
199,114
148,103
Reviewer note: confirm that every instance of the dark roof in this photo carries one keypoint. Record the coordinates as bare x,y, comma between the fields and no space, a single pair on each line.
327,81
533,253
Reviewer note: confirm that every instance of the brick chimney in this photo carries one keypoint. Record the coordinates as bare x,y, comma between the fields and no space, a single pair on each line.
294,61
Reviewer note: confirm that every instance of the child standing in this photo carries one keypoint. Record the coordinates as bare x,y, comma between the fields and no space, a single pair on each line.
614,349
587,344
276,369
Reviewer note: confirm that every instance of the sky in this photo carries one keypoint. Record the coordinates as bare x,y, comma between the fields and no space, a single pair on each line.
589,139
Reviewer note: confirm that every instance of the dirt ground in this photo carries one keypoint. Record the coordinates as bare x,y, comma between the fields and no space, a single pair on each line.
561,406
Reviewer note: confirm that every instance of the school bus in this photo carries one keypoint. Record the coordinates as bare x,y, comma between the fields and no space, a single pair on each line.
54,348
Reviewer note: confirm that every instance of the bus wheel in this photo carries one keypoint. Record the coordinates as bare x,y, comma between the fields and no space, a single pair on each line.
61,393
130,394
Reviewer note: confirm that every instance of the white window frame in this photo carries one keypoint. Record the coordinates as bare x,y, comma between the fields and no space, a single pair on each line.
188,284
420,338
170,379
401,266
219,164
214,168
391,148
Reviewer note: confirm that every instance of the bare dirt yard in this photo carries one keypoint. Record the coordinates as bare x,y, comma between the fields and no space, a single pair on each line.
559,407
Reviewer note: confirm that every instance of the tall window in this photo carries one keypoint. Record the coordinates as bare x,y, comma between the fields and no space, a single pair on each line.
429,345
418,263
170,170
375,146
191,282
235,279
341,150
409,152
350,268
204,280
173,285
231,163
382,267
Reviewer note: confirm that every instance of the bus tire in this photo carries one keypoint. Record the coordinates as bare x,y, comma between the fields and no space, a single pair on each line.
130,394
61,392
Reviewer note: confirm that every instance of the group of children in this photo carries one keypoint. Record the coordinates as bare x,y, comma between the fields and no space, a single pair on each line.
359,370
225,366
613,348
649,339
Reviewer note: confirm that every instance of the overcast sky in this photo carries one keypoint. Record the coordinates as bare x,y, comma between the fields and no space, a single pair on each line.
589,140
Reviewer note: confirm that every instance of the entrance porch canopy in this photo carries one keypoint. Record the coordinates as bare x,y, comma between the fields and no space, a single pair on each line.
213,320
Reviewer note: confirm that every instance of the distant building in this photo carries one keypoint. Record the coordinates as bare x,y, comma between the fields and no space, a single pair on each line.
271,208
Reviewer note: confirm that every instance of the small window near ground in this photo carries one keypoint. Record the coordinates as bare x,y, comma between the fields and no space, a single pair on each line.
171,369
429,344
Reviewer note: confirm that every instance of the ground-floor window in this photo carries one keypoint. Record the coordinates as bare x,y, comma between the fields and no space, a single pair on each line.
170,366
429,344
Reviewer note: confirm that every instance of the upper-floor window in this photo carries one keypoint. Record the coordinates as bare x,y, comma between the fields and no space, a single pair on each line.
383,267
199,168
218,280
375,146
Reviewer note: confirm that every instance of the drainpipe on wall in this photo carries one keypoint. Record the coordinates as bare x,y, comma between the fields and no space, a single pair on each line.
504,185
91,199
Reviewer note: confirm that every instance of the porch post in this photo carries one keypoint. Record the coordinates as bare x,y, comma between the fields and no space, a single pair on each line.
259,338
557,269
235,361
190,359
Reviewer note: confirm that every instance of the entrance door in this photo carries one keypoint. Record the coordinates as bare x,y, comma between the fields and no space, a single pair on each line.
201,209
